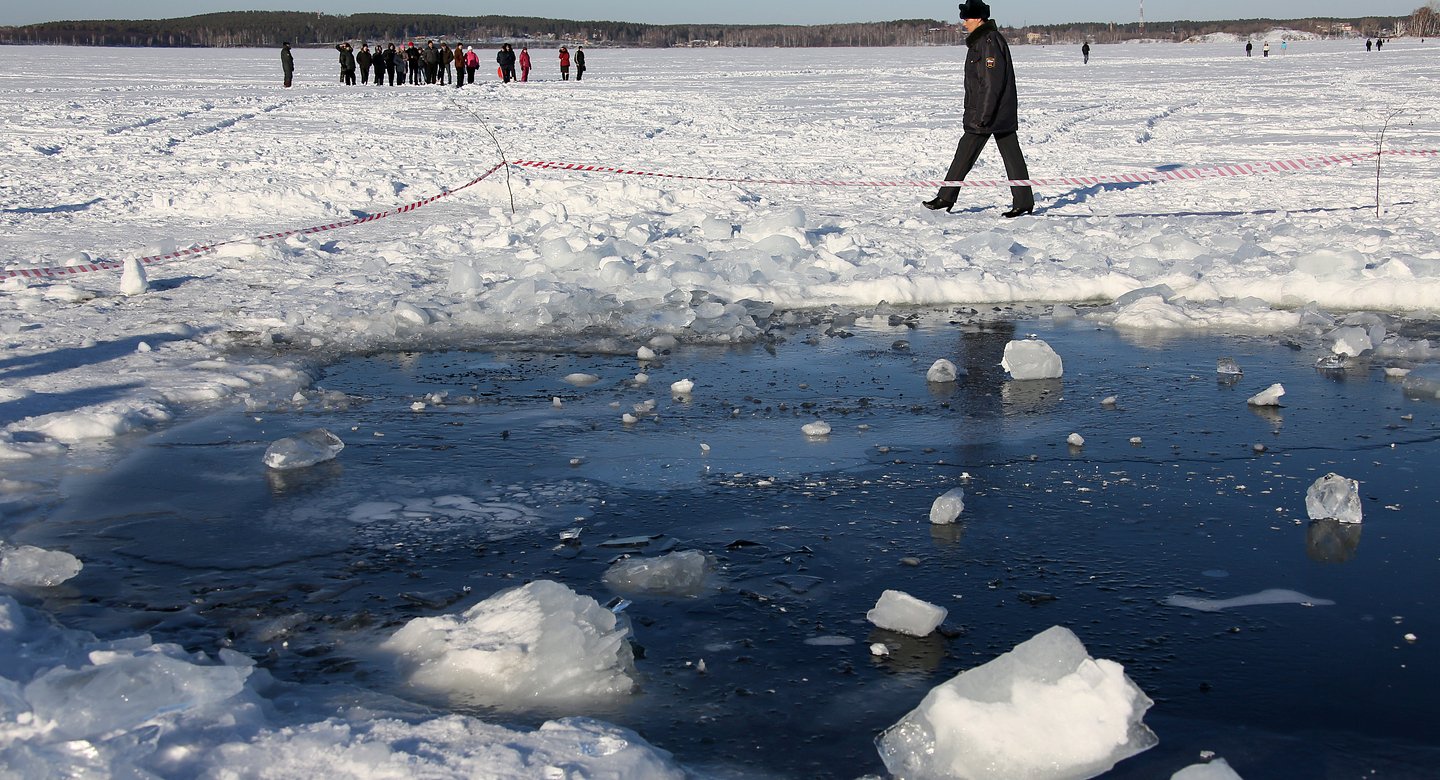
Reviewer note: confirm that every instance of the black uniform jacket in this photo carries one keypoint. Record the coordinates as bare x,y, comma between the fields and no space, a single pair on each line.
990,102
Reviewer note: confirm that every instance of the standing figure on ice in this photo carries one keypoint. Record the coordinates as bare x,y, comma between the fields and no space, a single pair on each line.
287,62
990,109
1085,52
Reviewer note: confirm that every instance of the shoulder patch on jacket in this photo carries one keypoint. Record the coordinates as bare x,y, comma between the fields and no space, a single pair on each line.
990,62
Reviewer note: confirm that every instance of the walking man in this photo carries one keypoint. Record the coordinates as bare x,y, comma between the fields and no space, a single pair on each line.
1085,52
287,62
991,109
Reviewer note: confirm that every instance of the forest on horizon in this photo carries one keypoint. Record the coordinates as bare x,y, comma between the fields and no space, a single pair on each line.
299,28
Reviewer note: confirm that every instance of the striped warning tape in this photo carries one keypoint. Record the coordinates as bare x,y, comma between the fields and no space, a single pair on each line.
110,265
1179,174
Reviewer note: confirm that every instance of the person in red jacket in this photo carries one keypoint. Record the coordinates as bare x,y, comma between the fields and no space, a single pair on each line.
459,66
472,64
524,63
990,110
564,64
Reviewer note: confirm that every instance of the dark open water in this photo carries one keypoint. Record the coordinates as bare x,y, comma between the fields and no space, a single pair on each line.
189,538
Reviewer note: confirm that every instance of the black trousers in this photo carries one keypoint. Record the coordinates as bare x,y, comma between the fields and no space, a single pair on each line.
968,151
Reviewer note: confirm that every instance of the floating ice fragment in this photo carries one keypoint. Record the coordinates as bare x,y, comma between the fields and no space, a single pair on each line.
683,387
1109,400
941,371
629,419
418,406
1270,396
1215,770
1270,596
556,402
1227,367
1032,359
1043,711
540,644
581,380
1334,496
816,429
676,574
1351,342
879,650
1423,382
1075,440
33,567
945,509
1136,440
306,449
899,611
704,448
645,353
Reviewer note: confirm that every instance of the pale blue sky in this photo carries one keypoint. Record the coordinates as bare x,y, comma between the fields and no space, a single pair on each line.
1015,12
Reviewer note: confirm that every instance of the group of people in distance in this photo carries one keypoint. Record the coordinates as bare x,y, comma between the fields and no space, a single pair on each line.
431,64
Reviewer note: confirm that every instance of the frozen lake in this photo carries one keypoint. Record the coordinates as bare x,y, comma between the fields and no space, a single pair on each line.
134,414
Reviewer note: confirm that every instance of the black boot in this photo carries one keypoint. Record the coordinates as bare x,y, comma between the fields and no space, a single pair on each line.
937,203
1017,211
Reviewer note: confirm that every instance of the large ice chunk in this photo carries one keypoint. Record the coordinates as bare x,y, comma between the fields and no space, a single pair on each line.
941,371
1423,382
540,644
677,574
1270,396
306,449
27,566
1032,359
124,690
945,509
1334,496
1043,711
899,611
1351,341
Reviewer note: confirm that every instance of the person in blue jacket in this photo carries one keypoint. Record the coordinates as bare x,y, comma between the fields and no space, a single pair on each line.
991,109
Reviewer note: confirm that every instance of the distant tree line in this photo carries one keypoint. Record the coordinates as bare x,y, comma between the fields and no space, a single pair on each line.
271,28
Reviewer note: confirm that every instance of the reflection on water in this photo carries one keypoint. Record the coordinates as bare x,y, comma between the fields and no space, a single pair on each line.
1331,541
1031,396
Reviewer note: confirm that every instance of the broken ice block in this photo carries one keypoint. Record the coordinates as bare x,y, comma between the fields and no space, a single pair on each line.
1270,396
941,371
1043,711
676,574
1227,367
1351,342
902,612
1032,359
1334,496
306,449
947,507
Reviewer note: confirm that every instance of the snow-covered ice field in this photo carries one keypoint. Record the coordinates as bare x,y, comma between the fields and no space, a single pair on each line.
115,153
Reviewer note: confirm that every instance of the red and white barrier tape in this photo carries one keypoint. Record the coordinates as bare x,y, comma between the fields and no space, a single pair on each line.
1179,174
70,270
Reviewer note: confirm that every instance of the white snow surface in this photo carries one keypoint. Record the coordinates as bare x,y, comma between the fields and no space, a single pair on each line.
147,151
141,152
